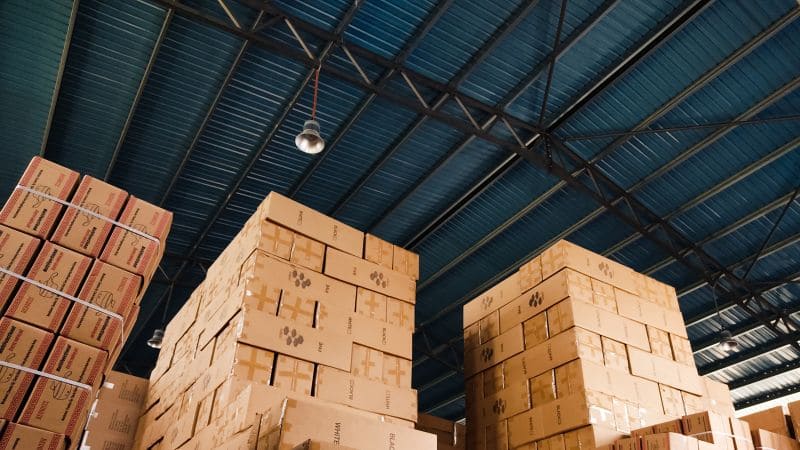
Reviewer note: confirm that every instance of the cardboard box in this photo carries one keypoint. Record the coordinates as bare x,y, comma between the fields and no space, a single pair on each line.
659,342
59,407
133,252
24,345
400,313
17,436
626,444
308,253
396,371
17,249
294,375
367,363
769,440
489,327
794,415
472,336
718,396
571,313
694,403
110,288
317,445
530,274
543,387
590,437
491,300
709,427
361,272
85,233
682,350
640,310
405,262
773,420
672,400
502,404
379,251
58,268
492,380
561,415
34,214
566,283
494,352
572,344
742,439
372,333
373,304
552,443
341,387
664,371
428,422
535,330
304,220
496,435
566,254
669,441
603,296
297,308
615,355
115,414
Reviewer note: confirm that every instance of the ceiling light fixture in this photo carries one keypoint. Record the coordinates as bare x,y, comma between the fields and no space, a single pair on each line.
158,334
727,343
309,140
157,339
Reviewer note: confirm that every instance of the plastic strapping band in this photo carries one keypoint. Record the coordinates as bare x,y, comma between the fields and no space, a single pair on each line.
89,212
46,375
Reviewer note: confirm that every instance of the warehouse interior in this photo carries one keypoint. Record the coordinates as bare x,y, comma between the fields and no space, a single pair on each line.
663,135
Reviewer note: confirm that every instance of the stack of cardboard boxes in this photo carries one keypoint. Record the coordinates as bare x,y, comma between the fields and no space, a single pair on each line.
76,258
298,305
574,351
449,435
115,413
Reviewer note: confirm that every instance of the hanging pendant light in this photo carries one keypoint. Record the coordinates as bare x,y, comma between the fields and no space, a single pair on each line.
158,335
727,342
309,140
156,340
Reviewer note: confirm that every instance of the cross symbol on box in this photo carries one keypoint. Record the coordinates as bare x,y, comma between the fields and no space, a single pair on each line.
367,363
371,303
253,365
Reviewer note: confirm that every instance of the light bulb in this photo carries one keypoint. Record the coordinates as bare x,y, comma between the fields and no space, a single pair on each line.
727,343
155,341
309,140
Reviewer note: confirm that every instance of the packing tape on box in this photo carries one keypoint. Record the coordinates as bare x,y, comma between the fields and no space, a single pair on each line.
72,298
77,384
89,212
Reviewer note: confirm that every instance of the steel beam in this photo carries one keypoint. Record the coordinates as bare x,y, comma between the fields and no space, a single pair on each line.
764,375
738,330
556,46
772,230
750,354
767,396
162,34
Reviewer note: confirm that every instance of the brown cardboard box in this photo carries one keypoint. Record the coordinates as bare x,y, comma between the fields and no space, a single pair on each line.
396,371
572,344
769,440
341,387
400,313
131,251
566,254
603,296
294,375
494,352
308,253
672,400
491,300
489,327
297,308
682,350
561,415
640,310
552,443
85,233
372,304
304,220
590,437
694,403
535,330
496,436
530,274
492,380
115,414
17,249
372,333
367,363
428,422
669,441
709,427
59,407
543,387
472,336
742,439
794,416
21,437
361,272
33,213
379,251
626,444
659,342
718,396
566,283
406,262
773,420
664,371
58,268
571,313
110,288
317,445
615,355
502,404
24,345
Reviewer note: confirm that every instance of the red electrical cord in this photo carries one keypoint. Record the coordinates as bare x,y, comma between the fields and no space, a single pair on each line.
316,88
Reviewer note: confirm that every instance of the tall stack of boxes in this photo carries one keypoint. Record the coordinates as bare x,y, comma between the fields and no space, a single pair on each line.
51,235
575,351
298,305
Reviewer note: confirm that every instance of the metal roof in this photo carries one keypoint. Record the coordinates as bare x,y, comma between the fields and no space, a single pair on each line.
663,135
